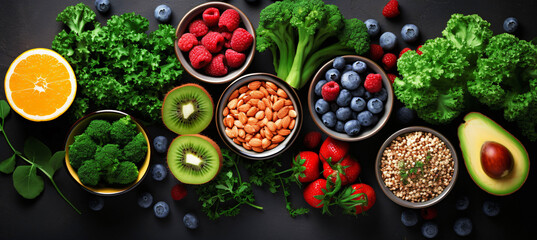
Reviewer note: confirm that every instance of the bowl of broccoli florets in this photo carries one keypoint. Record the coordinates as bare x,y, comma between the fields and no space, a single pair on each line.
107,152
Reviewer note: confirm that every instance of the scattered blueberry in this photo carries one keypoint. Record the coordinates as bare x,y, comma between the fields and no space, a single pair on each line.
510,24
340,127
339,63
365,118
491,208
161,209
409,217
159,172
102,5
359,67
319,87
329,119
160,143
387,40
359,92
462,203
344,113
145,200
322,106
163,13
382,95
373,27
352,127
191,221
463,227
410,32
374,105
332,74
358,104
405,115
429,230
96,203
350,80
344,98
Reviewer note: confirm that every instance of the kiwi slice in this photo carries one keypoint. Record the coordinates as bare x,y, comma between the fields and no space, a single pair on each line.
187,109
194,159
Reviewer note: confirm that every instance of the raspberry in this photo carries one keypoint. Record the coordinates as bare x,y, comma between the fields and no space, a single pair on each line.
373,83
199,57
376,52
241,40
312,139
178,192
428,213
391,9
418,51
392,77
389,61
227,37
187,42
234,59
198,28
213,41
404,51
230,20
330,91
211,16
217,67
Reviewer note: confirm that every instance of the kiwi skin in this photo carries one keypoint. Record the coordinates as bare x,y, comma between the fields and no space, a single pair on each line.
220,157
162,114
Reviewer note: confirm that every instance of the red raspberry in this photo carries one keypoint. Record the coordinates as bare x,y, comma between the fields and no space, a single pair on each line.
227,36
241,40
312,139
404,51
199,57
187,42
234,59
213,41
230,20
178,192
392,77
211,16
389,61
198,28
418,51
429,213
373,83
217,67
391,9
376,52
330,91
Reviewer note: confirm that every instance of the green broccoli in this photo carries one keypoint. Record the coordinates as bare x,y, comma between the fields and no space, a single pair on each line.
136,150
125,173
99,131
90,173
123,130
82,149
107,156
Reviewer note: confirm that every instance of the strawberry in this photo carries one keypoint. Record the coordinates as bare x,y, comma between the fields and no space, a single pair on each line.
389,60
333,150
375,52
391,9
178,191
348,169
314,193
306,164
361,189
312,139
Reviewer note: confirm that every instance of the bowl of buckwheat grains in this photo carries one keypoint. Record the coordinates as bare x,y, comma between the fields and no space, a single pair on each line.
416,167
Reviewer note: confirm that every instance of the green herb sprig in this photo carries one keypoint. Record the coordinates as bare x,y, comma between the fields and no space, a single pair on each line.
405,172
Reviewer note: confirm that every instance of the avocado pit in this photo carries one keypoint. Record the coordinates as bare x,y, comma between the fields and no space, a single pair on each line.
496,159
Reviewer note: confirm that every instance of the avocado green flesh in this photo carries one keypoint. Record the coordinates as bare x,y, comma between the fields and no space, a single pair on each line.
193,160
478,129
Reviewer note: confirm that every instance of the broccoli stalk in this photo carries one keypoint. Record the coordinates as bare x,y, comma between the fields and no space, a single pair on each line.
76,17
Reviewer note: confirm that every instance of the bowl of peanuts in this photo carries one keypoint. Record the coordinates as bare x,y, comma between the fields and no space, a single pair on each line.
416,167
259,116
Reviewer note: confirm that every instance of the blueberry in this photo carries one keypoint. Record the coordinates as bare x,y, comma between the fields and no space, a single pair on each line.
410,32
359,92
191,221
374,105
405,115
409,218
463,226
329,119
161,209
350,80
322,106
340,127
359,67
491,208
352,127
510,24
339,63
319,87
334,107
347,68
358,104
429,230
160,143
344,98
159,172
145,200
96,203
365,118
343,113
382,95
387,40
462,203
163,13
102,5
373,27
368,95
332,74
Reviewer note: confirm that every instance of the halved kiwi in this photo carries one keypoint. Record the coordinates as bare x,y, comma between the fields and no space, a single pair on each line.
187,109
194,159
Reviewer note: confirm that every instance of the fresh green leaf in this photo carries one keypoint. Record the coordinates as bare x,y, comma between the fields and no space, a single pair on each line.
36,151
4,109
8,165
27,183
55,163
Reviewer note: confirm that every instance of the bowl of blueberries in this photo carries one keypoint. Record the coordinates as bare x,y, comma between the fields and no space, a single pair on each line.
350,98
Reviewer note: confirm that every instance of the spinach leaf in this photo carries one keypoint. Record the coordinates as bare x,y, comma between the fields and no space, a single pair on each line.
26,181
8,165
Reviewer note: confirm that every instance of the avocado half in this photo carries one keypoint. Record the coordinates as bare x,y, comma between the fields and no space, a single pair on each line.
473,133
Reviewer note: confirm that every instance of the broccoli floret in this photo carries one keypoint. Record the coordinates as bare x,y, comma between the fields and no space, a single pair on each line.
90,173
107,156
76,17
123,130
82,149
135,151
99,131
125,173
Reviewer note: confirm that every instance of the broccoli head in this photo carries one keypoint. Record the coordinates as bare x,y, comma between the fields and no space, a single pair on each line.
90,173
136,150
99,131
107,156
125,173
82,149
123,130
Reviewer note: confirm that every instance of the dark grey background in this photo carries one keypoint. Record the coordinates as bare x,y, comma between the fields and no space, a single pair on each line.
26,24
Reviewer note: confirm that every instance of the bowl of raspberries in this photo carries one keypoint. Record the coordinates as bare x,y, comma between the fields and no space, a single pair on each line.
215,42
350,98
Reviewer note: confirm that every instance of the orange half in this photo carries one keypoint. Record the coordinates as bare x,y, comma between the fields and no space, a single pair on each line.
40,85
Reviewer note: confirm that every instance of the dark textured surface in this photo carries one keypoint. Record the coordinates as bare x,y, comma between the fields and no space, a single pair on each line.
26,24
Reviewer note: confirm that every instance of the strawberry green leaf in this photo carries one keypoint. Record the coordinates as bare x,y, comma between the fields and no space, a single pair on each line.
27,183
8,165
